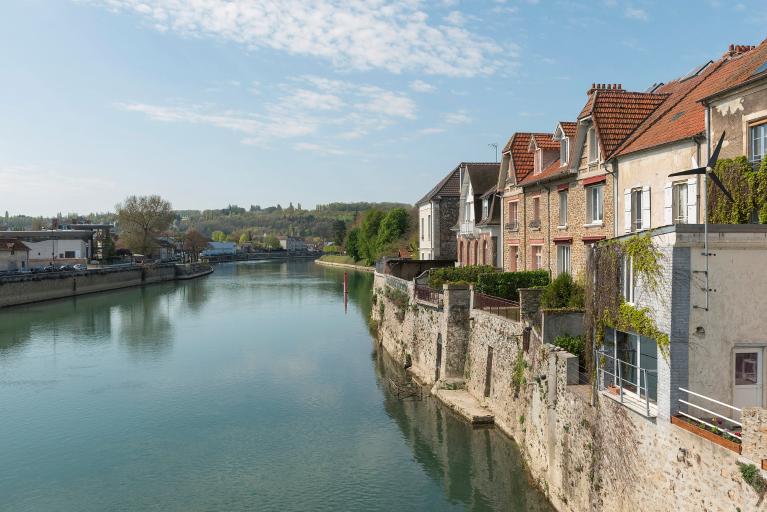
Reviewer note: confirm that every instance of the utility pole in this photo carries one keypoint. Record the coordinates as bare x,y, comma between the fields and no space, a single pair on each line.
494,146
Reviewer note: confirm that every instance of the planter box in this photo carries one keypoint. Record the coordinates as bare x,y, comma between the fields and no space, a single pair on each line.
706,434
615,390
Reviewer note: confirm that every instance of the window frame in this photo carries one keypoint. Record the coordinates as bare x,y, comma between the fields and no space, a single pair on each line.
536,256
628,280
564,259
598,190
537,208
564,150
563,202
676,206
485,208
593,156
636,209
514,219
759,126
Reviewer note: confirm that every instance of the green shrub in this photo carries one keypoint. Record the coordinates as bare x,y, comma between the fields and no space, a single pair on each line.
331,249
507,284
469,274
330,258
563,292
573,344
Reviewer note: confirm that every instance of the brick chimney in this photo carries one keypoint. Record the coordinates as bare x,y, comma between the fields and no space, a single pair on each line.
604,87
737,49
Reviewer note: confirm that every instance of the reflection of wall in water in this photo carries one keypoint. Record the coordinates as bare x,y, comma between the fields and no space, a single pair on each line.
479,467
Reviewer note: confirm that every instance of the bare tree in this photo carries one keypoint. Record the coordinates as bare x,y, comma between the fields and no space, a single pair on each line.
141,219
194,242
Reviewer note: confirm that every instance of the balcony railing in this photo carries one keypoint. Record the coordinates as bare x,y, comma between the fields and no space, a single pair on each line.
535,224
512,225
497,306
467,227
618,380
427,294
699,408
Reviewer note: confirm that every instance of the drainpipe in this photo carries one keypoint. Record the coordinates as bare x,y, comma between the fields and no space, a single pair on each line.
705,199
548,225
615,198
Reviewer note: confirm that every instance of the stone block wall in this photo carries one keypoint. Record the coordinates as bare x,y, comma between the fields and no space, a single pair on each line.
754,421
448,217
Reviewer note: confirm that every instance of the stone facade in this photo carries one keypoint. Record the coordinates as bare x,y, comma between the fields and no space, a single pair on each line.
734,112
586,451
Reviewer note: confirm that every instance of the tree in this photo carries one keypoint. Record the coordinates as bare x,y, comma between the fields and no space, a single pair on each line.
272,242
218,236
339,232
141,219
393,226
37,224
194,243
352,244
244,238
368,236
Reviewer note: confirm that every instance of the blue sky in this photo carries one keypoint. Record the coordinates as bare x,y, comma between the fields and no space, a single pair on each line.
212,102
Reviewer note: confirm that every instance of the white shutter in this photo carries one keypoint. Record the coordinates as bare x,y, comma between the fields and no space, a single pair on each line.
668,203
692,201
646,221
627,210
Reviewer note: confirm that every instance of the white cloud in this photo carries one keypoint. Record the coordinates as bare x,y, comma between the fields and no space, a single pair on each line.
636,13
430,131
321,149
395,35
455,18
421,86
307,105
460,117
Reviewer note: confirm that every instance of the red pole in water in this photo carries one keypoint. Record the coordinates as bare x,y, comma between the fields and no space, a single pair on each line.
346,290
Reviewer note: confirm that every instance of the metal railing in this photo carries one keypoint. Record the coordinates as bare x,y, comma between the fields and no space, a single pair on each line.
724,424
396,283
497,306
630,392
428,294
534,224
512,225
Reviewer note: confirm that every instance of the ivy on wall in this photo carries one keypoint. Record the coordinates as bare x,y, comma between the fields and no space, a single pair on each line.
604,300
748,187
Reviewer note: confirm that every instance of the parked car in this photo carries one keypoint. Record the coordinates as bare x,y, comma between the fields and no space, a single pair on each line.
66,268
80,267
50,268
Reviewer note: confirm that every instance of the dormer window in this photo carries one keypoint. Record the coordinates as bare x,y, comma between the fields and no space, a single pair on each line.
564,150
593,146
485,208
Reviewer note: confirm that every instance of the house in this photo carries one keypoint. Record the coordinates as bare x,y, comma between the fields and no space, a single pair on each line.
674,138
437,215
292,244
479,225
516,164
57,247
14,255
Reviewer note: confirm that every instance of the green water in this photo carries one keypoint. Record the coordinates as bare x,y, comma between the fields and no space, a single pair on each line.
250,389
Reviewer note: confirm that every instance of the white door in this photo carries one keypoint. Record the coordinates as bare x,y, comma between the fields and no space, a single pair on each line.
748,377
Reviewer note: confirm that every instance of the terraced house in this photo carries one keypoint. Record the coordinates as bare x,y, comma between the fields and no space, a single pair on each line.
478,227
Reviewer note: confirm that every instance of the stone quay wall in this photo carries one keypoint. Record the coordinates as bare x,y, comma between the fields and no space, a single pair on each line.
29,288
586,451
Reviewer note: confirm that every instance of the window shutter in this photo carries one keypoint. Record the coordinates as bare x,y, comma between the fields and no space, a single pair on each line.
646,221
668,203
692,200
627,210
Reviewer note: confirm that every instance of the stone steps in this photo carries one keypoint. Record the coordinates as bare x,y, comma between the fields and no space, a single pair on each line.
463,403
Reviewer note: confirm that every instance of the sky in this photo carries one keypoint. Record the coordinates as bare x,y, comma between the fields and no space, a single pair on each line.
257,102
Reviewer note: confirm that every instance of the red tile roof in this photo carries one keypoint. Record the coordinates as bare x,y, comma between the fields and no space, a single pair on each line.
552,171
569,128
521,156
545,141
682,116
15,244
617,113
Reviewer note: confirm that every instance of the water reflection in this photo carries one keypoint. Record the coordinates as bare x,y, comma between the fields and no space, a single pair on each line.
480,468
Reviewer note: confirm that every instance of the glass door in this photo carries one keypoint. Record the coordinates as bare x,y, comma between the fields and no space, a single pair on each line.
748,378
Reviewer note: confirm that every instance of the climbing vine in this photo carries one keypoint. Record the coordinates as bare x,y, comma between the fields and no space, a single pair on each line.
604,300
748,187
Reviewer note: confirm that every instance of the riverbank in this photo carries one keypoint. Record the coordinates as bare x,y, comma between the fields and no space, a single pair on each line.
29,288
586,450
348,266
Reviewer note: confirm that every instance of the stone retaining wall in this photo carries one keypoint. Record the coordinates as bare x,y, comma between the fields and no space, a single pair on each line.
586,452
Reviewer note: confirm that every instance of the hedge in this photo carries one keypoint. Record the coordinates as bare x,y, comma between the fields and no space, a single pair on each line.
506,284
468,274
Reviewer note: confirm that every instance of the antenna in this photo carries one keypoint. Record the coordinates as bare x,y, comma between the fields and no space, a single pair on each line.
494,145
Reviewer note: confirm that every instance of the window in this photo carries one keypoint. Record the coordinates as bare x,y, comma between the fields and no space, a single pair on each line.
513,215
537,257
564,150
758,142
422,230
594,204
746,365
537,208
563,208
563,259
636,209
629,280
635,359
69,254
428,222
593,145
485,208
679,203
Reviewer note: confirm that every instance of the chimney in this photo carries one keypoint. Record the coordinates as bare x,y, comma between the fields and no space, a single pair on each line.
737,49
604,87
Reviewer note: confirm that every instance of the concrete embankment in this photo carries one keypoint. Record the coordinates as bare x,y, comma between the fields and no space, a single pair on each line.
348,266
586,450
28,288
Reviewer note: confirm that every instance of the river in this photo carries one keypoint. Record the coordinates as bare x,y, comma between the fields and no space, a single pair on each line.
250,389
